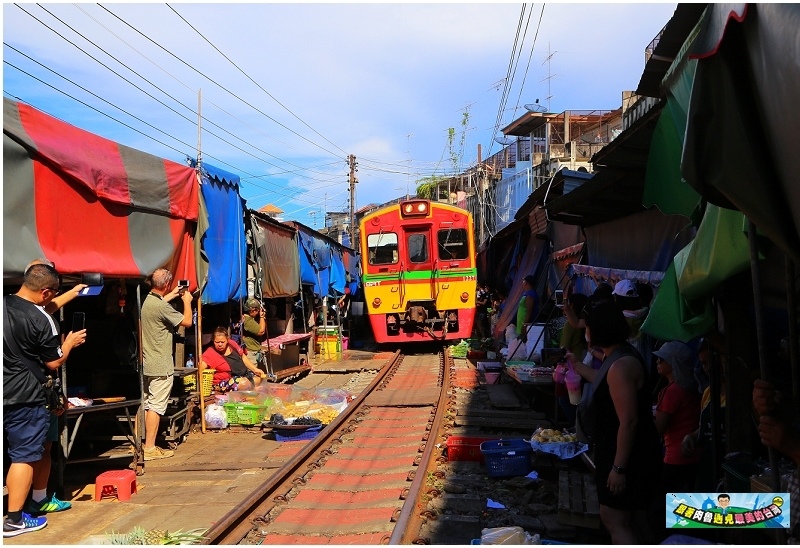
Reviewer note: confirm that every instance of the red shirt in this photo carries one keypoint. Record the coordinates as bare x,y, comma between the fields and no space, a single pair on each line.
684,410
217,361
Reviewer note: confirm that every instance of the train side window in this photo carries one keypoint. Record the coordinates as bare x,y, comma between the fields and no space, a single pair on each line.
418,248
453,244
382,248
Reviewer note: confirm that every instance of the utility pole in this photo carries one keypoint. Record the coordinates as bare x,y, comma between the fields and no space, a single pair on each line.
353,168
480,195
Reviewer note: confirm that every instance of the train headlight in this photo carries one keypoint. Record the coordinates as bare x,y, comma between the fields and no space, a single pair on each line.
415,208
376,302
464,297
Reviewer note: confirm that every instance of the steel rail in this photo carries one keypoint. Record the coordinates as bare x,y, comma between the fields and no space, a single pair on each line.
410,521
234,526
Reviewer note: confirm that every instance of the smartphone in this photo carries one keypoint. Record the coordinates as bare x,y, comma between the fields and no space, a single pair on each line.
559,294
183,284
78,321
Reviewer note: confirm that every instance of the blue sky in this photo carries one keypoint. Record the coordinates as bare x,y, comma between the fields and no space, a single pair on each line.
289,90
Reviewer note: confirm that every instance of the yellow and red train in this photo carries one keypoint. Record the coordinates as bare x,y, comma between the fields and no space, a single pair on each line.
419,273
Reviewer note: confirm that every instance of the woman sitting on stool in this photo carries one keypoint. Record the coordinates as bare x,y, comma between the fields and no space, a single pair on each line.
232,367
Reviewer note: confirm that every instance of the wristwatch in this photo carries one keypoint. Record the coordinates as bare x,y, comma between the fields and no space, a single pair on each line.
618,469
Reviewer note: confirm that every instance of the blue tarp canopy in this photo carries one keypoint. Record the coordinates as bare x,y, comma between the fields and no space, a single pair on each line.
223,243
321,262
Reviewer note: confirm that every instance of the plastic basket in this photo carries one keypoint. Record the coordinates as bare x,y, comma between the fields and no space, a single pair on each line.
466,448
190,382
297,435
506,458
208,381
244,413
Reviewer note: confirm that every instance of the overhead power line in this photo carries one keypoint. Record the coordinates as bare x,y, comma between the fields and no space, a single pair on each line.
190,120
217,83
249,78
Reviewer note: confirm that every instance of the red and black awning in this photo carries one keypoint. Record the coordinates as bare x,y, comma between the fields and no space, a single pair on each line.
90,204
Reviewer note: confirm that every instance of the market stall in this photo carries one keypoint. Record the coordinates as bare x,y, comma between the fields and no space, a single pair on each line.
89,204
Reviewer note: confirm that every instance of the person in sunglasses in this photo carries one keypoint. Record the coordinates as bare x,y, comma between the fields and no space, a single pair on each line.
30,339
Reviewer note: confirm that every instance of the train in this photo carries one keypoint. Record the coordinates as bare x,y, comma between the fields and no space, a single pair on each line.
418,272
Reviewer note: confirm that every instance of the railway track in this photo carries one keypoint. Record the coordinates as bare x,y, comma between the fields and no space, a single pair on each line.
362,479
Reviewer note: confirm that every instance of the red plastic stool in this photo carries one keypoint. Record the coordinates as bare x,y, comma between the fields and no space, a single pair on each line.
119,482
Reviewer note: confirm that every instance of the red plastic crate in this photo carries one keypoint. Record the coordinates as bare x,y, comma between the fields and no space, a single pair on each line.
466,448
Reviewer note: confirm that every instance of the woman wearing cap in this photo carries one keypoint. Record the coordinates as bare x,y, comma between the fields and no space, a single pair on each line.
254,329
626,448
677,414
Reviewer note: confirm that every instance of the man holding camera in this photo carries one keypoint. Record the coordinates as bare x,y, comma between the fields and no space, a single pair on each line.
159,321
254,330
30,339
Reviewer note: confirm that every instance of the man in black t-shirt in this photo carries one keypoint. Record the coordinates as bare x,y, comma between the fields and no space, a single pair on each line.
25,417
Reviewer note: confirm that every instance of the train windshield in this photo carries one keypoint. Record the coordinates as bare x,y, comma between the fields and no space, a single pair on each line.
453,244
382,248
418,248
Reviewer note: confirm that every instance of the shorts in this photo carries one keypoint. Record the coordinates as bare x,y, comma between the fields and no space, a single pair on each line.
52,432
24,429
156,393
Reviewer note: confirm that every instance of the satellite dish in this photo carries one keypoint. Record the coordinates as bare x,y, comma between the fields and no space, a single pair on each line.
535,107
504,140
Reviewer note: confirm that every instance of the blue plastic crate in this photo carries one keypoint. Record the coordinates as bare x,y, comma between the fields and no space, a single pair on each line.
297,435
506,458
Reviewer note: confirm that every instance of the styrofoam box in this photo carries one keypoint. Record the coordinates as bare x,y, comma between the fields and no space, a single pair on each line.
491,365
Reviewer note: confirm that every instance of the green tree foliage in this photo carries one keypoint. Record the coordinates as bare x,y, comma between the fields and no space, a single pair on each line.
426,186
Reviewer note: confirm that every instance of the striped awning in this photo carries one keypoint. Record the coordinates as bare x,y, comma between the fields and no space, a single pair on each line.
90,204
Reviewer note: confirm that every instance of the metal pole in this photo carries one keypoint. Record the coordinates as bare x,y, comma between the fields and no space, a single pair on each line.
198,343
791,301
762,356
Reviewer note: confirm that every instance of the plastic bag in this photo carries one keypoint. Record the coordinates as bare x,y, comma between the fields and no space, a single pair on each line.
216,417
507,535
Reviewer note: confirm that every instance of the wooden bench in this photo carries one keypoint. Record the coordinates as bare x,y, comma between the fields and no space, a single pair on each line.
577,500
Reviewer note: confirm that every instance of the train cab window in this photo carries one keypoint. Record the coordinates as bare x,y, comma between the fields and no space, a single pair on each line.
453,244
382,248
418,248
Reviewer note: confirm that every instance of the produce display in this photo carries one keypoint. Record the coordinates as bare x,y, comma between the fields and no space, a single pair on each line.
550,435
297,410
562,444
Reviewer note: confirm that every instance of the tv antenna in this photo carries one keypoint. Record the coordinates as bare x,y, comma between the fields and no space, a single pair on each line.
550,75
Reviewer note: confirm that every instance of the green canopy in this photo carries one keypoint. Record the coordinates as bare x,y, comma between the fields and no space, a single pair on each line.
682,310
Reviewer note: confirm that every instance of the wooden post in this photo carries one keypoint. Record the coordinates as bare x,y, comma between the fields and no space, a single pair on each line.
199,374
